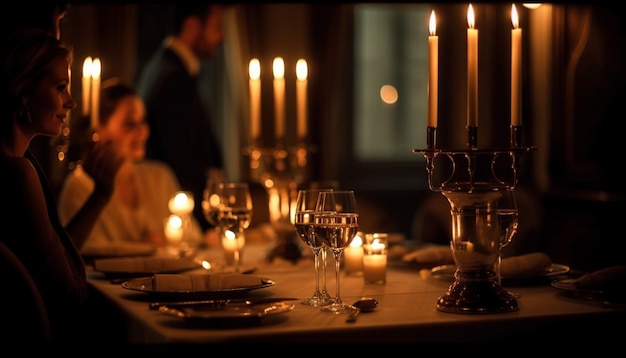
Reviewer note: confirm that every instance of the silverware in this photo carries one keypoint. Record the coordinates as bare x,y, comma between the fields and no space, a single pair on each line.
365,304
220,303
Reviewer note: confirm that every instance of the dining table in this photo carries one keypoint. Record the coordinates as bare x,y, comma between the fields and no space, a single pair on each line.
406,311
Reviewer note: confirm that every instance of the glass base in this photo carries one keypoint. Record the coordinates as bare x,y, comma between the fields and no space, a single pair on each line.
318,300
474,297
336,308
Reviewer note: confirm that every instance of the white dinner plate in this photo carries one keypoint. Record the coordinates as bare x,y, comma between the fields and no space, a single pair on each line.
228,313
145,284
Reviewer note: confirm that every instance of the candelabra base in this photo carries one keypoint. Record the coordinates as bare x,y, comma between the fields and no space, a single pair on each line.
472,180
476,296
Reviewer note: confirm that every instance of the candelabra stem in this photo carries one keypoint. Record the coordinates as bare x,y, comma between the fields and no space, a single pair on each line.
431,137
516,136
472,137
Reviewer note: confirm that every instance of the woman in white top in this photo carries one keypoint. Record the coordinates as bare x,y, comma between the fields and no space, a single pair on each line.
133,221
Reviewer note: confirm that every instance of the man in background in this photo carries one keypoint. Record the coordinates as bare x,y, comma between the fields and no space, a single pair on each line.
182,135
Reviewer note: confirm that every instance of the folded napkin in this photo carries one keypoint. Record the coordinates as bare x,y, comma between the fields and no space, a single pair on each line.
144,264
610,279
203,282
525,265
431,255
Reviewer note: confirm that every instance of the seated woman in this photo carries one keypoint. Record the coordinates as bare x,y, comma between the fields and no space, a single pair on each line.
133,220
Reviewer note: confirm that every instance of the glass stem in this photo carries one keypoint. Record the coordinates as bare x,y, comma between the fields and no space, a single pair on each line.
337,274
316,259
324,256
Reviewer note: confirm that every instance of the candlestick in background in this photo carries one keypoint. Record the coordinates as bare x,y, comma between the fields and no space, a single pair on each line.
472,79
86,90
96,70
301,96
353,255
255,98
375,258
516,78
279,96
433,81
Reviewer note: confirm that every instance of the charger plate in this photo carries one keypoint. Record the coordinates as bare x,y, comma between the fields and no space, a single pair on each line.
145,285
228,313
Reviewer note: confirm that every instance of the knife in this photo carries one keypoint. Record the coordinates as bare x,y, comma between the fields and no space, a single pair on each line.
224,302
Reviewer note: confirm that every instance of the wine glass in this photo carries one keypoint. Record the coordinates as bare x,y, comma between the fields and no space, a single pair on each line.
304,223
234,216
211,198
508,219
336,224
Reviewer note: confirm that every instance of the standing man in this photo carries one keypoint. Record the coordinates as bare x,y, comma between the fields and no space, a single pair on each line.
182,135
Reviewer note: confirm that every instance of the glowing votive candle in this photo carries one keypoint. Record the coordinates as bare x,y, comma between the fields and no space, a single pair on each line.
353,255
181,203
375,259
173,229
232,246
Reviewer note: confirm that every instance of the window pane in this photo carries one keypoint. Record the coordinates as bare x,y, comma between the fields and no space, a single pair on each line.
391,59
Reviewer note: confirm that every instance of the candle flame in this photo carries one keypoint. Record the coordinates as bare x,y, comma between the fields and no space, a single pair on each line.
514,17
175,221
432,25
470,16
279,68
87,65
301,69
96,68
255,69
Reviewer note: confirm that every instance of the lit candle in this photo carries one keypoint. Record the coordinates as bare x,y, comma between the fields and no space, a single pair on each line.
255,98
516,65
174,229
301,84
472,70
181,203
232,245
96,69
353,255
375,261
86,90
433,71
279,96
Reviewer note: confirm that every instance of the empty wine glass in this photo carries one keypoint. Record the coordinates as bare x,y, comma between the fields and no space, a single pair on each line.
234,216
304,223
336,224
508,219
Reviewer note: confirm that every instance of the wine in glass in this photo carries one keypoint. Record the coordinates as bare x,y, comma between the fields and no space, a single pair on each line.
508,220
336,224
234,216
304,221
